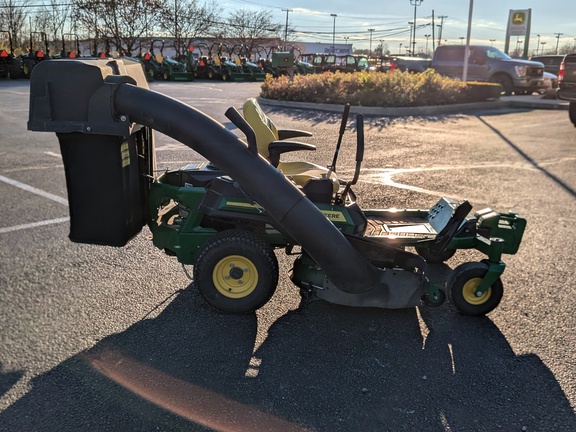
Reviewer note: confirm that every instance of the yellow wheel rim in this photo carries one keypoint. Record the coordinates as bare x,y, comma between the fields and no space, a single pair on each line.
469,292
235,276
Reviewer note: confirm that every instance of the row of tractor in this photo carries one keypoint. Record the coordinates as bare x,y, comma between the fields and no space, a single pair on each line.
201,61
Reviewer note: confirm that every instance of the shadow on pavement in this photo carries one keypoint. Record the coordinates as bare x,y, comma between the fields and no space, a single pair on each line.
8,379
321,367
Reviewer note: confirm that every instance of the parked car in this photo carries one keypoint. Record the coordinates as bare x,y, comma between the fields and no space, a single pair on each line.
567,84
550,82
551,62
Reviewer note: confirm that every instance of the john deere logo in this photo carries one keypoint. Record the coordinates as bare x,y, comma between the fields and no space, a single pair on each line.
519,18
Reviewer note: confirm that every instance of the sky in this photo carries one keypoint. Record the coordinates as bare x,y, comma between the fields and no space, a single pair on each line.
389,20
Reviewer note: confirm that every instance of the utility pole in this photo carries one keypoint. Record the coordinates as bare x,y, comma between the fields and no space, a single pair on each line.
441,26
411,27
286,29
558,40
415,3
371,31
334,34
433,33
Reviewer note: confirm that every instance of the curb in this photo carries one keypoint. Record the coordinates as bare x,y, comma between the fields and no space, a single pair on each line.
419,111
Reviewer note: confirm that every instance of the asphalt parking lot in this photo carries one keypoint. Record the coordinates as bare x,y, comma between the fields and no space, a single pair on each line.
107,339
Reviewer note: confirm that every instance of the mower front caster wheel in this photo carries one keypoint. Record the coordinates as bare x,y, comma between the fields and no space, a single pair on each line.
462,290
236,272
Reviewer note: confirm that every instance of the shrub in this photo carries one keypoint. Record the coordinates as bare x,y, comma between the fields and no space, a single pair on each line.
380,89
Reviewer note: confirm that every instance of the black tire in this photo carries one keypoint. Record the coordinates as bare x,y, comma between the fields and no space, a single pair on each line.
431,258
236,272
505,81
462,286
150,72
572,113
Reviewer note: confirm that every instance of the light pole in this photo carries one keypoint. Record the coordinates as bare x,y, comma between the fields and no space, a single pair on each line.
346,42
462,40
381,47
492,42
538,44
415,3
542,50
370,50
400,49
427,37
334,34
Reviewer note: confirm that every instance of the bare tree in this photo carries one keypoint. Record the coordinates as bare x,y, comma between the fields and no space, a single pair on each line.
51,19
124,22
250,28
13,17
188,20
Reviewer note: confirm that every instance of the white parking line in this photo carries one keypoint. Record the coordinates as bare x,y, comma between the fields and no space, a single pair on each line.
33,225
34,190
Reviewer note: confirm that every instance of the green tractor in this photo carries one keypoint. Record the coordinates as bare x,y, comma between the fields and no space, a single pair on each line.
157,66
227,217
10,64
35,53
226,69
252,71
66,52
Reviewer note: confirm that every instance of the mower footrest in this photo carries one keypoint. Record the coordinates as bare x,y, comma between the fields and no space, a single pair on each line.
411,227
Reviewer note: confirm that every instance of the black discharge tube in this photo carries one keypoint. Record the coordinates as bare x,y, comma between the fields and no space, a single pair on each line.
343,265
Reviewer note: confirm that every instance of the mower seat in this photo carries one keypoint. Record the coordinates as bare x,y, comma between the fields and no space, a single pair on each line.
272,142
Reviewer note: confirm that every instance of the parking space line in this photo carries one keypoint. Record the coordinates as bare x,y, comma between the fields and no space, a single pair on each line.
33,225
34,190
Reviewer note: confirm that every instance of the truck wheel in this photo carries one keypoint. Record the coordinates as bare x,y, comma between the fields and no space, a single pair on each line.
236,272
572,113
431,258
462,290
505,81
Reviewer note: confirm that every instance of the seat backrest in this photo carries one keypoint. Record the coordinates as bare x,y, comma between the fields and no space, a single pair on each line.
263,127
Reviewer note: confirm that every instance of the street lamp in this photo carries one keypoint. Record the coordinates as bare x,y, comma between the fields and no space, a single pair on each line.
400,49
415,3
462,40
370,50
492,42
427,37
334,34
542,50
538,44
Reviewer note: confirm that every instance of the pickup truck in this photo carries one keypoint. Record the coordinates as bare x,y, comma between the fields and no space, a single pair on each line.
485,63
567,84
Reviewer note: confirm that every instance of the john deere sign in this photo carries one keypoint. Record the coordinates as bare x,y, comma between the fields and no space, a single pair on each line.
519,25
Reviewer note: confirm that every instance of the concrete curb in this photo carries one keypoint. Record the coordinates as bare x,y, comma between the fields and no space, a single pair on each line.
425,110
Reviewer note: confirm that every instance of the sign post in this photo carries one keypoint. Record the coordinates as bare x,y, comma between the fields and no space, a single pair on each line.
519,25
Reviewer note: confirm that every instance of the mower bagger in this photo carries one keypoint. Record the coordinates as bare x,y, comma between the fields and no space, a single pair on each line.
227,216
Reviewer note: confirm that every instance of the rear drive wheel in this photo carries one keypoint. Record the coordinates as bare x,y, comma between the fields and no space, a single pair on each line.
236,272
462,288
505,81
572,113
